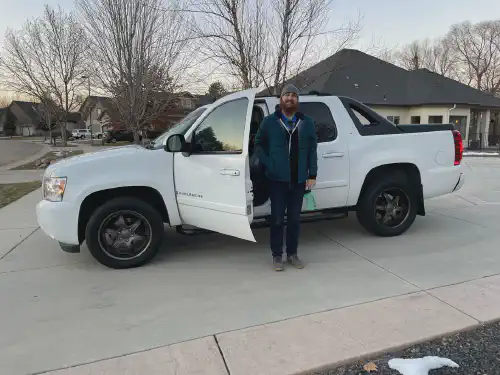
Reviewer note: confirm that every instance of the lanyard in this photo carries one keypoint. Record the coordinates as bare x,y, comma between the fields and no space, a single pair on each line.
285,119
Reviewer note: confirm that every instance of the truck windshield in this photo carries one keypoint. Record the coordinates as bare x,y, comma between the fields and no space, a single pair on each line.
180,128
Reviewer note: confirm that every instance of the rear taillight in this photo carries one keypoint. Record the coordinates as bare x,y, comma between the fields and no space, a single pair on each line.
459,146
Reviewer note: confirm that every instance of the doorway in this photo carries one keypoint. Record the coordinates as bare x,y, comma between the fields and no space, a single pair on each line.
460,124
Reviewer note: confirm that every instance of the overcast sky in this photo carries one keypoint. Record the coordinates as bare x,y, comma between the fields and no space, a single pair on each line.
395,22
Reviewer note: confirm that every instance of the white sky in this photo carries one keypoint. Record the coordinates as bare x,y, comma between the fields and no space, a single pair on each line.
395,22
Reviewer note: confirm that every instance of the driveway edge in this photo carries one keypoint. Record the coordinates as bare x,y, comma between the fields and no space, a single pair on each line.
319,341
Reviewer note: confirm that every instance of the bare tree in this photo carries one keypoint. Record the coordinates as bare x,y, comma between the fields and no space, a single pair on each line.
476,48
139,55
303,37
267,41
235,36
415,55
5,101
436,56
44,61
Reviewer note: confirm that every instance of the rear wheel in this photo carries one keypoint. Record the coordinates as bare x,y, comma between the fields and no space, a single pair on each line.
388,206
124,232
113,140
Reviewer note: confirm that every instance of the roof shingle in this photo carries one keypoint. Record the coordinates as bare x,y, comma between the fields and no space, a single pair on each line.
373,81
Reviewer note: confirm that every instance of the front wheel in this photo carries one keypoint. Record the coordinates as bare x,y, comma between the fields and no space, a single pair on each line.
388,206
124,233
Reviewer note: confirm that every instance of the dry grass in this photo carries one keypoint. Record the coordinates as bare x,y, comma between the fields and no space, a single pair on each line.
53,155
113,144
12,192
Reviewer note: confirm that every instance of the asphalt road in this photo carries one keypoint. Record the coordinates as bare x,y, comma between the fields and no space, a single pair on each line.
63,309
13,150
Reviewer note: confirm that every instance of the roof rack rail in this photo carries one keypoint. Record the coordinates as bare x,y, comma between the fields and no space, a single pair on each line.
317,93
314,92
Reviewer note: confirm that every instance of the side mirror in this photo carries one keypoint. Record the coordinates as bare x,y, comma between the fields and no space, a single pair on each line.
175,143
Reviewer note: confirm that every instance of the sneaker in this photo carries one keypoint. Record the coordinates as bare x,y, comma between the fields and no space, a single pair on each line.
295,261
278,264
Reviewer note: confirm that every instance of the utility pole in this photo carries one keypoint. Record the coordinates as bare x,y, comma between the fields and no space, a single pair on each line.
90,112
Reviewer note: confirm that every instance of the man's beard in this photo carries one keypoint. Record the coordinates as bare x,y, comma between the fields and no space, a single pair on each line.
288,107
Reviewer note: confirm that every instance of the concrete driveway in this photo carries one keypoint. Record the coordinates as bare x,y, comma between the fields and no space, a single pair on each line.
63,309
14,150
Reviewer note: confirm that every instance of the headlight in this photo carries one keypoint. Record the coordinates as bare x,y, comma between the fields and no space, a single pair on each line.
53,188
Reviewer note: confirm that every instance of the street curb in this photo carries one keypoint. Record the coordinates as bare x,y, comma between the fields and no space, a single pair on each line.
379,353
45,149
482,156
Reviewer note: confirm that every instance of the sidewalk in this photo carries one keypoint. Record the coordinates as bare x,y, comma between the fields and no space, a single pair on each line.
357,297
318,341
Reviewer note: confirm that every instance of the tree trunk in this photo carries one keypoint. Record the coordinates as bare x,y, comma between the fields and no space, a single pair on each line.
136,137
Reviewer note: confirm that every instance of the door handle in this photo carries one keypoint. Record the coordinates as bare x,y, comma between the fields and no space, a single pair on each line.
333,155
229,172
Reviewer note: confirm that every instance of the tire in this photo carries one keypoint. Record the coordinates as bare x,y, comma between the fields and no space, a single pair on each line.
99,136
97,240
113,140
370,216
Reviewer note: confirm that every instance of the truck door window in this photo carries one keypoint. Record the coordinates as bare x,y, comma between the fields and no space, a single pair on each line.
326,129
223,130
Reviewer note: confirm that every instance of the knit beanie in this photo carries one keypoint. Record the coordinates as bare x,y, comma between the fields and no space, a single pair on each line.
289,88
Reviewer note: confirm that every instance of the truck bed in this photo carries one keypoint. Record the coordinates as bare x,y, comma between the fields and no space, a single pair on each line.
425,128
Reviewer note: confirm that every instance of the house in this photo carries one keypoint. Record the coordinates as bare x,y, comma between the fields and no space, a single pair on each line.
75,121
92,109
27,117
181,105
406,97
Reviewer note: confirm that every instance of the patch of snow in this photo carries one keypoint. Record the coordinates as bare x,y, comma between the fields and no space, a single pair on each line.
472,153
419,366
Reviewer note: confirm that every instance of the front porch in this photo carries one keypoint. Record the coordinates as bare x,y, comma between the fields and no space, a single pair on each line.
483,131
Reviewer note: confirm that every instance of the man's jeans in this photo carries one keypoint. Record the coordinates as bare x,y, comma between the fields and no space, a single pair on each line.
285,197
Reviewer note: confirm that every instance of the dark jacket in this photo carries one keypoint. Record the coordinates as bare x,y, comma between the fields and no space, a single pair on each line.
273,146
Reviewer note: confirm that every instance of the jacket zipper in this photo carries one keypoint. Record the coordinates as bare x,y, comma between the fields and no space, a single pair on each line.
290,134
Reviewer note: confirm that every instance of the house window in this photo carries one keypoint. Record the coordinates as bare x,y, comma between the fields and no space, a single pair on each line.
186,103
435,119
394,119
415,120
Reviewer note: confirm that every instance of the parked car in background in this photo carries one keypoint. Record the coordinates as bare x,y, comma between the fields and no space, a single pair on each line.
97,135
56,133
81,133
114,136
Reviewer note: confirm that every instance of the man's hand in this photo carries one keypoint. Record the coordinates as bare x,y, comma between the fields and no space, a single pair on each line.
310,184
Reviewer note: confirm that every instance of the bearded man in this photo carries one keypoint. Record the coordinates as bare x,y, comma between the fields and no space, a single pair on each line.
286,145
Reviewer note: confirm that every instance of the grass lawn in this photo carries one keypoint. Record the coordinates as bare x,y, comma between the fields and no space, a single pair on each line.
12,192
112,144
52,155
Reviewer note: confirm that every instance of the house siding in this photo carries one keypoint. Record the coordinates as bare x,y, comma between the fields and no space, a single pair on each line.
406,113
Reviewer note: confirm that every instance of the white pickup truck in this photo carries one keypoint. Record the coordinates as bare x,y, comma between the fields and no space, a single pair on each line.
202,174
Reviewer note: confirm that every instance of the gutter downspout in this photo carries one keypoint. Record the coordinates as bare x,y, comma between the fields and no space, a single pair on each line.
449,111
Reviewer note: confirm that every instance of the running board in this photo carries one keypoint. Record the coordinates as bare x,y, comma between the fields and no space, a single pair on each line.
191,231
304,218
265,222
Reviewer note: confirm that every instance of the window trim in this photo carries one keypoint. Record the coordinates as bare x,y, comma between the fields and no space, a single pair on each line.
435,123
382,126
193,132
